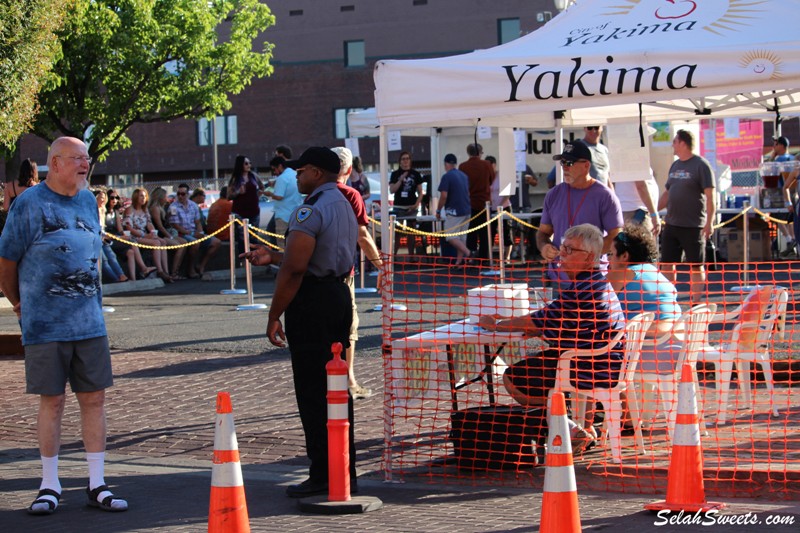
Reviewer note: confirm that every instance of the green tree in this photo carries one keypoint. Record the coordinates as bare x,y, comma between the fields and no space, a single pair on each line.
143,61
28,48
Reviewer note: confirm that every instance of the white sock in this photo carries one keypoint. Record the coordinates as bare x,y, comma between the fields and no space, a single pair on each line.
50,474
96,469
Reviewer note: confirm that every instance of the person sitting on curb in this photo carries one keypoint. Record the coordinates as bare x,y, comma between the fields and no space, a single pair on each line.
585,315
184,216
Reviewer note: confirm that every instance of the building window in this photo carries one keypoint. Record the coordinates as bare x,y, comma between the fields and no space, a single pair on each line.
295,12
507,30
347,8
419,3
354,54
226,129
340,128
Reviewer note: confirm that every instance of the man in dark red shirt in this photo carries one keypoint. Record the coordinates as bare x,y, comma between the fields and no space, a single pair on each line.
481,175
372,254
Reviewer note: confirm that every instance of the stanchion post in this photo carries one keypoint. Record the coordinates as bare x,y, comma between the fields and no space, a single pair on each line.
489,233
746,243
250,306
501,248
232,242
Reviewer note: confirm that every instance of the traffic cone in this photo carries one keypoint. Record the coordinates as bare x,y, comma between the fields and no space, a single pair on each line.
227,512
685,490
560,512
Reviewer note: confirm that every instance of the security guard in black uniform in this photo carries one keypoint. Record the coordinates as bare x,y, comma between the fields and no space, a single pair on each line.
310,289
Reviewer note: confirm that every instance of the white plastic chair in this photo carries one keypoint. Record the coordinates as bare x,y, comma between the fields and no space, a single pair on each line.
694,334
634,333
750,343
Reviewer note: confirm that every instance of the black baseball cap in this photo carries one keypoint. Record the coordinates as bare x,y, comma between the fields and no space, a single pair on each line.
782,140
574,151
450,158
318,156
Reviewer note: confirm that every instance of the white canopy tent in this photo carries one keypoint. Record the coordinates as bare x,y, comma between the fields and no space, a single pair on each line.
639,59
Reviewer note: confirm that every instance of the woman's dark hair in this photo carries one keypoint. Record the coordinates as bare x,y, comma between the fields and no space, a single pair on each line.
109,194
238,166
28,173
639,242
357,165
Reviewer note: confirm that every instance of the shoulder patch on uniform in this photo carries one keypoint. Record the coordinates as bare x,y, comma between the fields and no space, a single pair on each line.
303,213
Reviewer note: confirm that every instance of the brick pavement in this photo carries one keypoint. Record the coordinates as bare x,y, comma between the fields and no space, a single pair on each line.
161,415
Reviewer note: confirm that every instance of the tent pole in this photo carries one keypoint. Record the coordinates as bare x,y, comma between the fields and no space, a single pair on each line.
559,144
436,167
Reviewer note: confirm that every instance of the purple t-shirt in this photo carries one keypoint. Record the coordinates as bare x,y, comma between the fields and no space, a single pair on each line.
565,207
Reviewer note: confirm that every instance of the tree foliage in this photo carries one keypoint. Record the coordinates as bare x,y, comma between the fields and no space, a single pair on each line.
28,48
143,61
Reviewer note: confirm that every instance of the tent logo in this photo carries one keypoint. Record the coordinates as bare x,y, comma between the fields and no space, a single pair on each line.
715,17
547,84
763,63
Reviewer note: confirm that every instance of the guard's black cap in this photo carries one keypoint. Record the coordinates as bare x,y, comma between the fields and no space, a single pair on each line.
318,156
574,151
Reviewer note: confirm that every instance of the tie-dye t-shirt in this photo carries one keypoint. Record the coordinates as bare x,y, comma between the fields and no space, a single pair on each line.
55,240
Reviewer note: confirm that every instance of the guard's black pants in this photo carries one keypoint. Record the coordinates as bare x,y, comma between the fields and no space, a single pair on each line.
319,315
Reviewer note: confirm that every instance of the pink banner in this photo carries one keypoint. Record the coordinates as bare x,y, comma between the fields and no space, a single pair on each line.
742,153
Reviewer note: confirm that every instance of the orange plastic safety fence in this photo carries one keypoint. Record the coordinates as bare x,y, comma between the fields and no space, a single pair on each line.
456,382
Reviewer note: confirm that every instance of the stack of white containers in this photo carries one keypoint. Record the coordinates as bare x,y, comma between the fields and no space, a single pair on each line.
502,299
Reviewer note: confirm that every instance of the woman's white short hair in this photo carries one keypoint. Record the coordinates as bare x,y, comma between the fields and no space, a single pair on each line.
590,236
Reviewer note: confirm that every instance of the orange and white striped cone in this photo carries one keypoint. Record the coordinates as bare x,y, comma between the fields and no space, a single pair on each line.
685,490
227,511
560,513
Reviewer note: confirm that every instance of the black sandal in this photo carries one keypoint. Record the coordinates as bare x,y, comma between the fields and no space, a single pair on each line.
51,505
108,501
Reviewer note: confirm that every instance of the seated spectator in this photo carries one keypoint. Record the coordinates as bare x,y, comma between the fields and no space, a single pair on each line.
218,215
641,288
158,215
113,226
137,220
108,262
184,216
198,196
585,315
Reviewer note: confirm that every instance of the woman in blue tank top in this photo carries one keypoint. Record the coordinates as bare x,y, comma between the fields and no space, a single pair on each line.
640,288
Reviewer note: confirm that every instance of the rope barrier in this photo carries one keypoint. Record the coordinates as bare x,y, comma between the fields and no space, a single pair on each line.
171,246
520,221
413,231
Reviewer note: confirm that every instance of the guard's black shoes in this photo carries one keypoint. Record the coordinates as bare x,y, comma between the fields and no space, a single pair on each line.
307,488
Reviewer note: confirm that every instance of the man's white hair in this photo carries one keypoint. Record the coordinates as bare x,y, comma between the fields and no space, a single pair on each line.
345,158
589,235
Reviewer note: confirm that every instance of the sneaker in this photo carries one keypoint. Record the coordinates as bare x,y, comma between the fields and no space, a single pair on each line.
359,393
789,252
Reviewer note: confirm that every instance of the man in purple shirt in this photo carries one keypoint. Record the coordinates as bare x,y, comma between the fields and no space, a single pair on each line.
580,199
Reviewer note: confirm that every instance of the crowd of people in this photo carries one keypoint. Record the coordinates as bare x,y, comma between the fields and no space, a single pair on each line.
602,264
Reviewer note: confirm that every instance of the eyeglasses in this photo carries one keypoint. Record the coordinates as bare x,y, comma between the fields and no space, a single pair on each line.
567,163
568,250
182,193
593,128
77,158
405,158
247,162
113,197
